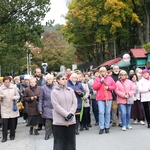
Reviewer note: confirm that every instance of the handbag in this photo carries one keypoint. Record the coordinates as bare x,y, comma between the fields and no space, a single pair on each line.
15,107
20,106
114,97
130,100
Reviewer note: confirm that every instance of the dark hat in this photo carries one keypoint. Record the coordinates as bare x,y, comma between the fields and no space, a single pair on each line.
21,77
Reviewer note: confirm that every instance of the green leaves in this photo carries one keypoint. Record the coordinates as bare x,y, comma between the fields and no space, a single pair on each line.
20,21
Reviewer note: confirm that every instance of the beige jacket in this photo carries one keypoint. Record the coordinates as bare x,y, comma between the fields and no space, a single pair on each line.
64,102
86,96
7,103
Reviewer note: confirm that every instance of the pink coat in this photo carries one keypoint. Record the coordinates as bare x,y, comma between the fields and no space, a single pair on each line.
123,88
99,87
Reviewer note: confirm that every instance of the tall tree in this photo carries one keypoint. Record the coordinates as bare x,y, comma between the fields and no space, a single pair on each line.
56,52
98,27
20,21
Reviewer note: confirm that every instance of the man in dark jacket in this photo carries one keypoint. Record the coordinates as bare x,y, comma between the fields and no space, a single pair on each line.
115,74
39,78
40,82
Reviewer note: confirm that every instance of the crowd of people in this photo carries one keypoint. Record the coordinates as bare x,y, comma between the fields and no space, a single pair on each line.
62,102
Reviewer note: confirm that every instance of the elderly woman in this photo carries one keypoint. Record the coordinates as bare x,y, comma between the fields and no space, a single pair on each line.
86,107
137,110
79,92
64,107
8,95
124,90
31,95
23,86
104,84
45,105
144,89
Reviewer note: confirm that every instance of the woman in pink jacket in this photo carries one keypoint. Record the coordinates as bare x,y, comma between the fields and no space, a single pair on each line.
104,84
124,90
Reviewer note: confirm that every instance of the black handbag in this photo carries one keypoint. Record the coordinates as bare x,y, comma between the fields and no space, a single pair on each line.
114,96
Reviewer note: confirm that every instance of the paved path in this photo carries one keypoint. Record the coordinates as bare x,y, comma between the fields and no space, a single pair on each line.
136,139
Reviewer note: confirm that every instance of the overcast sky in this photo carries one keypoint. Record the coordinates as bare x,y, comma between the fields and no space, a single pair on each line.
58,9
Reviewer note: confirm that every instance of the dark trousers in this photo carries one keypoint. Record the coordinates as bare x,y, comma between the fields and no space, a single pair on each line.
48,126
95,109
147,111
64,137
137,111
11,124
85,118
25,116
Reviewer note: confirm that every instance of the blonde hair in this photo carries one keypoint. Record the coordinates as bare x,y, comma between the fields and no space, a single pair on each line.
103,69
32,79
122,72
73,75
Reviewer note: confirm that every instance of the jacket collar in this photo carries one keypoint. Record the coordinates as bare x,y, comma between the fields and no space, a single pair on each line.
58,87
10,87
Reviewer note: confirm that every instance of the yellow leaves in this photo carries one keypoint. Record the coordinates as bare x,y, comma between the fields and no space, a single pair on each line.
135,18
114,5
118,12
105,20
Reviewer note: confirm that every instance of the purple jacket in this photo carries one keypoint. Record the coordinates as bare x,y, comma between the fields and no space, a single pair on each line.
45,104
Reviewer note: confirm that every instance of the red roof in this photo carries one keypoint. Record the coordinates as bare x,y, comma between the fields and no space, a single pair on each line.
139,53
110,62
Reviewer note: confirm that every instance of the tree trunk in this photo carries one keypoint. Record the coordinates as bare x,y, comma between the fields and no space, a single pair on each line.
140,33
147,24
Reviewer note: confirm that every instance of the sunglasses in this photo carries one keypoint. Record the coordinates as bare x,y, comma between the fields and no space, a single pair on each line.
63,78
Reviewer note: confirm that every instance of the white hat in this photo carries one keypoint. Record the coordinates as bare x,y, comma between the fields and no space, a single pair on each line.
27,77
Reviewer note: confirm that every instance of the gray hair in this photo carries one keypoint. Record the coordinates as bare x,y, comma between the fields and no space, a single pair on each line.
49,76
60,74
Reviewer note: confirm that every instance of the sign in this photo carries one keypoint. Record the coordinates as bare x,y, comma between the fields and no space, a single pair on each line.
126,57
74,67
62,68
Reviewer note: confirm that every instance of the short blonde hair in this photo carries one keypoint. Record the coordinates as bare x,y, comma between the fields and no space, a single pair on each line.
73,75
122,72
33,79
103,69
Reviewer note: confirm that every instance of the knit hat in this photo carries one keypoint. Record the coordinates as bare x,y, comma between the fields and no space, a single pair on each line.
21,77
27,77
1,78
145,70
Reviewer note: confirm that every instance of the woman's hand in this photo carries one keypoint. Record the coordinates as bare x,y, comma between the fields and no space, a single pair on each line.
32,98
2,96
127,95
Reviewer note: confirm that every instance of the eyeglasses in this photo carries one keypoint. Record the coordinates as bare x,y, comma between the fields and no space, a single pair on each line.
123,74
63,78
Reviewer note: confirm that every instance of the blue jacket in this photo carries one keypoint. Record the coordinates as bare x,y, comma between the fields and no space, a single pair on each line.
77,87
45,104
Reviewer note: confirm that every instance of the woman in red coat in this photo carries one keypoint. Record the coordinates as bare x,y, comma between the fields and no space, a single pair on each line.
104,84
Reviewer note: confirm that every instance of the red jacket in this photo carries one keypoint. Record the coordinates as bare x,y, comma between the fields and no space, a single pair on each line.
103,94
